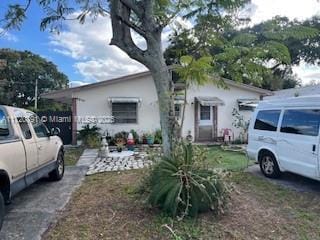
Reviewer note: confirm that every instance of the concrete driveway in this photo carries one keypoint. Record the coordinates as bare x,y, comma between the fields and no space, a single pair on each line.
33,210
290,180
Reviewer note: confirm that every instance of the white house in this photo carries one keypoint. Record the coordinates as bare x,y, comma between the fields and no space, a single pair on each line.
132,101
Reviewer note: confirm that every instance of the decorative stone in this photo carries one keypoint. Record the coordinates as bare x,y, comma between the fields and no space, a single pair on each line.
123,161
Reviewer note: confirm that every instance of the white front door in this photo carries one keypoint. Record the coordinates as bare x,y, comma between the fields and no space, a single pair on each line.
205,124
298,141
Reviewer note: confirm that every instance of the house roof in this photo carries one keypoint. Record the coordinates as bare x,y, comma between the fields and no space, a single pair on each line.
65,95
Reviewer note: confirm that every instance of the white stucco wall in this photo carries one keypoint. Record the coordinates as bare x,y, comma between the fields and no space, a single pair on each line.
224,118
94,102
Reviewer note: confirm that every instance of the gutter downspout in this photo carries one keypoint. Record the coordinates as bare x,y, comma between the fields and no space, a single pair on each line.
74,120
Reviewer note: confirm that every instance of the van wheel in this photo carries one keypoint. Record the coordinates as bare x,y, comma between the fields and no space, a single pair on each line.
58,172
1,210
269,166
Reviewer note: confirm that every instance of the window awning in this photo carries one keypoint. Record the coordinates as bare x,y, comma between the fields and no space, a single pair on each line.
248,102
210,101
124,100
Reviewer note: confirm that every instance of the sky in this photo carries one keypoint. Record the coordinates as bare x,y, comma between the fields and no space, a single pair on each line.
83,52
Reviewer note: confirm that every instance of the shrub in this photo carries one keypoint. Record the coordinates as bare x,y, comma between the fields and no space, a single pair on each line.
118,135
90,136
184,186
135,136
158,137
93,141
144,138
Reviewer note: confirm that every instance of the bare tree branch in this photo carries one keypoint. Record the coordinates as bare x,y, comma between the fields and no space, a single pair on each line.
148,20
133,26
121,32
134,6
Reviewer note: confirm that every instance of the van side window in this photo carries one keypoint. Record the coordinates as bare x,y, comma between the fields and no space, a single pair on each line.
267,120
4,128
301,121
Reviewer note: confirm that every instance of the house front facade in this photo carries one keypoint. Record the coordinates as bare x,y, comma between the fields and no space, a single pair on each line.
133,103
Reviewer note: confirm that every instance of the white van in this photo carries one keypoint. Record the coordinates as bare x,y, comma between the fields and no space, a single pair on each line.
284,136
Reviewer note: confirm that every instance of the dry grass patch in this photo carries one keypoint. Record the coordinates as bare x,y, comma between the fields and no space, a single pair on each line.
72,155
106,207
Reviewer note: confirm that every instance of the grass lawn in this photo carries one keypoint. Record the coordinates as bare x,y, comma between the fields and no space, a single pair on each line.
232,161
72,155
105,207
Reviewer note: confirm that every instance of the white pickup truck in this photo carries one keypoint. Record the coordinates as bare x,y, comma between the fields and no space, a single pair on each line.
28,152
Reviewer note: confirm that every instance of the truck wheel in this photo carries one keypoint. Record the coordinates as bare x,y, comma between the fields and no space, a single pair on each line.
269,166
1,210
57,173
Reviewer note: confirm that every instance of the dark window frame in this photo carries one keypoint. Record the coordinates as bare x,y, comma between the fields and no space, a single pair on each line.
208,107
291,126
124,120
270,126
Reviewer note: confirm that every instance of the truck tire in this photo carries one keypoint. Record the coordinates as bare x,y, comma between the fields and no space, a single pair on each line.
1,210
58,172
269,166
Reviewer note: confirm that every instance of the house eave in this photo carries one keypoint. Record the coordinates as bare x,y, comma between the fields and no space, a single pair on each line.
69,93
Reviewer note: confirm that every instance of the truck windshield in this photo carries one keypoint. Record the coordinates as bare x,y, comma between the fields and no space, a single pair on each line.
4,129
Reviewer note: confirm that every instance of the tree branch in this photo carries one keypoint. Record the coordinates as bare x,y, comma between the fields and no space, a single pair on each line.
133,26
134,6
276,66
15,16
148,19
121,31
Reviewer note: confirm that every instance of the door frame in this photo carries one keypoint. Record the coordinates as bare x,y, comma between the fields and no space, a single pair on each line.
214,113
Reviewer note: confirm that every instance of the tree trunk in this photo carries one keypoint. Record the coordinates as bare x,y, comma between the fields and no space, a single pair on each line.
152,57
164,87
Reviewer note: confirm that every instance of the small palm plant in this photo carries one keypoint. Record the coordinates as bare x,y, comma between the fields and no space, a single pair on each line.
184,186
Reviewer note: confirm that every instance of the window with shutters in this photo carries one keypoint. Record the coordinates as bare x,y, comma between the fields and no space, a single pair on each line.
124,112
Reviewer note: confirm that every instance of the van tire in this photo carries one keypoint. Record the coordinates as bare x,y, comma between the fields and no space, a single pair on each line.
269,166
58,172
2,209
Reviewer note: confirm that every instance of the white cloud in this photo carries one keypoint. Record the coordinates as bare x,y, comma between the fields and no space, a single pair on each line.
307,72
88,45
8,36
95,59
293,9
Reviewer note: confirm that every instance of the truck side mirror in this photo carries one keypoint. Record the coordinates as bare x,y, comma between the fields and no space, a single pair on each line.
55,131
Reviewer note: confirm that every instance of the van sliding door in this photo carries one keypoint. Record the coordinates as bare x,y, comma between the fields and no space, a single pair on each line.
298,142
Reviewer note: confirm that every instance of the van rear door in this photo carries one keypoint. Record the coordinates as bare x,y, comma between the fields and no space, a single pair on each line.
298,141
